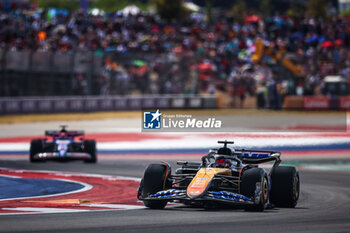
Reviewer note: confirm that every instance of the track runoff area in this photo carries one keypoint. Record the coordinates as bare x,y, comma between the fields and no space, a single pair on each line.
36,190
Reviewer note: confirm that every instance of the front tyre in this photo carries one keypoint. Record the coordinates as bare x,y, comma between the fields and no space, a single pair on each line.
254,184
36,146
154,180
285,186
90,148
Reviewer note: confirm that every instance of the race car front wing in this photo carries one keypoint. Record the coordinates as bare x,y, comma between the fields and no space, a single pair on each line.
220,196
57,156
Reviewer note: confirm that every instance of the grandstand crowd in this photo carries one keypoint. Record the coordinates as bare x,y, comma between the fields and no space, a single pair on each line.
193,56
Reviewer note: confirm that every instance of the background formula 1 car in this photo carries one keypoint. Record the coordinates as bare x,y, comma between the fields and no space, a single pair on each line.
63,145
224,177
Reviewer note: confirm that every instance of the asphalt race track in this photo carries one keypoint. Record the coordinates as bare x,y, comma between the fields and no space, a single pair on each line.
324,206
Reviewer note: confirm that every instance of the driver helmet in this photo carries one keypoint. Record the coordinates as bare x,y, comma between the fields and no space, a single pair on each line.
223,163
63,134
224,151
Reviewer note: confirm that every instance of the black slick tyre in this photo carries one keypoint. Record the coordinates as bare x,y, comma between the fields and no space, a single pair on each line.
36,146
154,180
248,188
285,186
90,148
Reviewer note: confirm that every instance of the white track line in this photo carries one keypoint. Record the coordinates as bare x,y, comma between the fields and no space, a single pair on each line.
34,210
43,210
200,141
73,174
116,206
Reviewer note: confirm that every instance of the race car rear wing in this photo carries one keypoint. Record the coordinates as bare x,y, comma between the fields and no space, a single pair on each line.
53,133
258,156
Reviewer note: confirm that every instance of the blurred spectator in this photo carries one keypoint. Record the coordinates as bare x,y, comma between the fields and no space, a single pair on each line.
80,86
190,57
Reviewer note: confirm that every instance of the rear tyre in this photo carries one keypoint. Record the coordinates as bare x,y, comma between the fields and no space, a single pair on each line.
90,147
248,188
285,186
36,146
154,180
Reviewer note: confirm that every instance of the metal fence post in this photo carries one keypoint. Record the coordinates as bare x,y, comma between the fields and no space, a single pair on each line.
197,75
90,73
52,75
72,73
3,73
29,74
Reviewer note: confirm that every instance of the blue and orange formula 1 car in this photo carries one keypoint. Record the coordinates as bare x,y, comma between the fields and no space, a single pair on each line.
224,177
63,145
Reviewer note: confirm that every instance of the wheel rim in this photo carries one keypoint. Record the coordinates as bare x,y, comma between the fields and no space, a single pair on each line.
265,190
296,188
